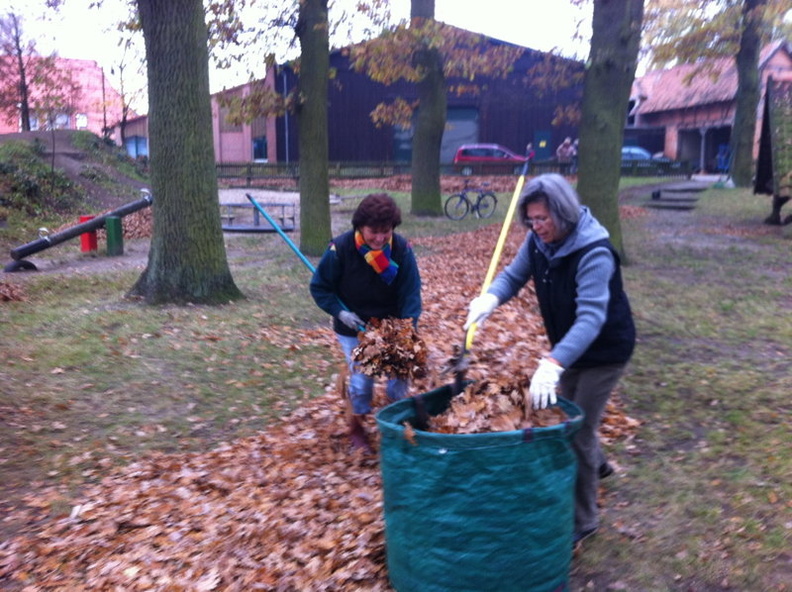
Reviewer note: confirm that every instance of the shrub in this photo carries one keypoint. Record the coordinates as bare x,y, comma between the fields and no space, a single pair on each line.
28,185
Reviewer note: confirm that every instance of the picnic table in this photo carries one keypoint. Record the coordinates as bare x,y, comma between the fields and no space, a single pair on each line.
245,217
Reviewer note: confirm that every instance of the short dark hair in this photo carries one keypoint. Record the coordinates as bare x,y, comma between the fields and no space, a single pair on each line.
378,210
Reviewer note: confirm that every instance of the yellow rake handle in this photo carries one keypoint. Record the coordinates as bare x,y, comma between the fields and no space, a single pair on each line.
498,249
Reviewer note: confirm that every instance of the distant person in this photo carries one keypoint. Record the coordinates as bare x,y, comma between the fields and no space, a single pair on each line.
530,153
564,155
574,168
722,158
577,278
373,272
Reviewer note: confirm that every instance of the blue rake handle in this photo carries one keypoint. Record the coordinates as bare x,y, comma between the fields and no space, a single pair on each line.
291,244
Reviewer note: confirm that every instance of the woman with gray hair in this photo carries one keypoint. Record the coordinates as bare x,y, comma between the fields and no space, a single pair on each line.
586,313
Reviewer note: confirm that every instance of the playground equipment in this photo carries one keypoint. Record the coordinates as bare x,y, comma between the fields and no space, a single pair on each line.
47,240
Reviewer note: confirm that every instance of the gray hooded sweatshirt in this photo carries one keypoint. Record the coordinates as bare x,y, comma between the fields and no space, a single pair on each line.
592,280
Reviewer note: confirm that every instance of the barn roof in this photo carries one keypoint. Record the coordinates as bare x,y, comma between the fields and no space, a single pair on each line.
682,86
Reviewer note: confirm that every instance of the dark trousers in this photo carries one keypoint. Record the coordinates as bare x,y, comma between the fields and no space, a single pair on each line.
590,389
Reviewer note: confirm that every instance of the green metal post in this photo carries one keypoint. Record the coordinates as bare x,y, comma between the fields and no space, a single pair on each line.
115,236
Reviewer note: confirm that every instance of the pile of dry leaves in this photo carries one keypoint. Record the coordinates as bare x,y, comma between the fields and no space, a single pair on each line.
138,224
391,347
291,508
11,292
494,405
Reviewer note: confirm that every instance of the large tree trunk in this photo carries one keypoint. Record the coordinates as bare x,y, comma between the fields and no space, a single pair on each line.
187,260
606,93
428,137
748,92
430,122
312,30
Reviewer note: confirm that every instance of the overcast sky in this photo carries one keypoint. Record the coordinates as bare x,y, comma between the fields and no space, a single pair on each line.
85,33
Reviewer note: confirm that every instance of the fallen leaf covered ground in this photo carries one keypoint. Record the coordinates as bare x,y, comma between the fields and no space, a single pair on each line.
290,508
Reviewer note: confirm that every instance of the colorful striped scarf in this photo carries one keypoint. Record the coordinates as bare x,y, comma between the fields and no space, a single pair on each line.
380,260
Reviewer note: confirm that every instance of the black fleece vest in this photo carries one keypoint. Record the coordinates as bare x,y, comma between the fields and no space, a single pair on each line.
361,288
556,292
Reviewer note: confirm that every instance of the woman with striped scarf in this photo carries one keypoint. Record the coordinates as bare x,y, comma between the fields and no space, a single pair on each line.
367,272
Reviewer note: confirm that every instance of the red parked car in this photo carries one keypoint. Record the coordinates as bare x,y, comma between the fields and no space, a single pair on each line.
487,155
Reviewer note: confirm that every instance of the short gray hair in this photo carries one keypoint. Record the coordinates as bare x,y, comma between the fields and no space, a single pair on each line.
558,195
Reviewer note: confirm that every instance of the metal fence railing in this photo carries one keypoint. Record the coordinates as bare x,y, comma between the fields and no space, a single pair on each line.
251,174
656,168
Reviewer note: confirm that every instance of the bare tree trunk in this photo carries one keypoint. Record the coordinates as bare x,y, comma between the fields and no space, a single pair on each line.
606,93
24,97
430,123
24,90
312,30
748,92
125,108
422,9
187,261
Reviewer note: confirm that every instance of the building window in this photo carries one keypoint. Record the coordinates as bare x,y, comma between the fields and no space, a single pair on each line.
225,125
260,149
631,112
137,146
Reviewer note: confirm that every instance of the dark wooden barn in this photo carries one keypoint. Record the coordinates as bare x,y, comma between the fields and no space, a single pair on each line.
509,111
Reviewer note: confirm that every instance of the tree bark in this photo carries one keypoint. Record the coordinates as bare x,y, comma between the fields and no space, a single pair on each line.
187,260
14,86
422,9
426,199
24,96
430,122
608,79
748,93
312,30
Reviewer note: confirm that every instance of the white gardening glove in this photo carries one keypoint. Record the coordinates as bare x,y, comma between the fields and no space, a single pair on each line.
544,383
480,308
350,319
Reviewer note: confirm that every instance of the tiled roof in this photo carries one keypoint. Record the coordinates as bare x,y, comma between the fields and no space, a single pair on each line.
667,90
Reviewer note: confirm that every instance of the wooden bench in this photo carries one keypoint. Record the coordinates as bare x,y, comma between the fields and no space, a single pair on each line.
245,217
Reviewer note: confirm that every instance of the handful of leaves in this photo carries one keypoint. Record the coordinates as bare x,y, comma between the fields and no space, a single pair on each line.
391,347
494,405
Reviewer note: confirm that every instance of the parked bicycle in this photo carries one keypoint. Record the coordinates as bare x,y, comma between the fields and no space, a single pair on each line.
482,205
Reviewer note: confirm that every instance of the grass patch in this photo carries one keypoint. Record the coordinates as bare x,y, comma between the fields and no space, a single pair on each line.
92,380
706,483
29,185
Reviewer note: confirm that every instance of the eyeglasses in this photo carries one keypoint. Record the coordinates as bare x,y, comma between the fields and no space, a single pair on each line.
537,221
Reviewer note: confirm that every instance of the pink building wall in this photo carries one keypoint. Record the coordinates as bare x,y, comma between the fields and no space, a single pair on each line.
97,104
234,144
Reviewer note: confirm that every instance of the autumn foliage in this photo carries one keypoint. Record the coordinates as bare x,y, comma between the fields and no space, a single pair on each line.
466,59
